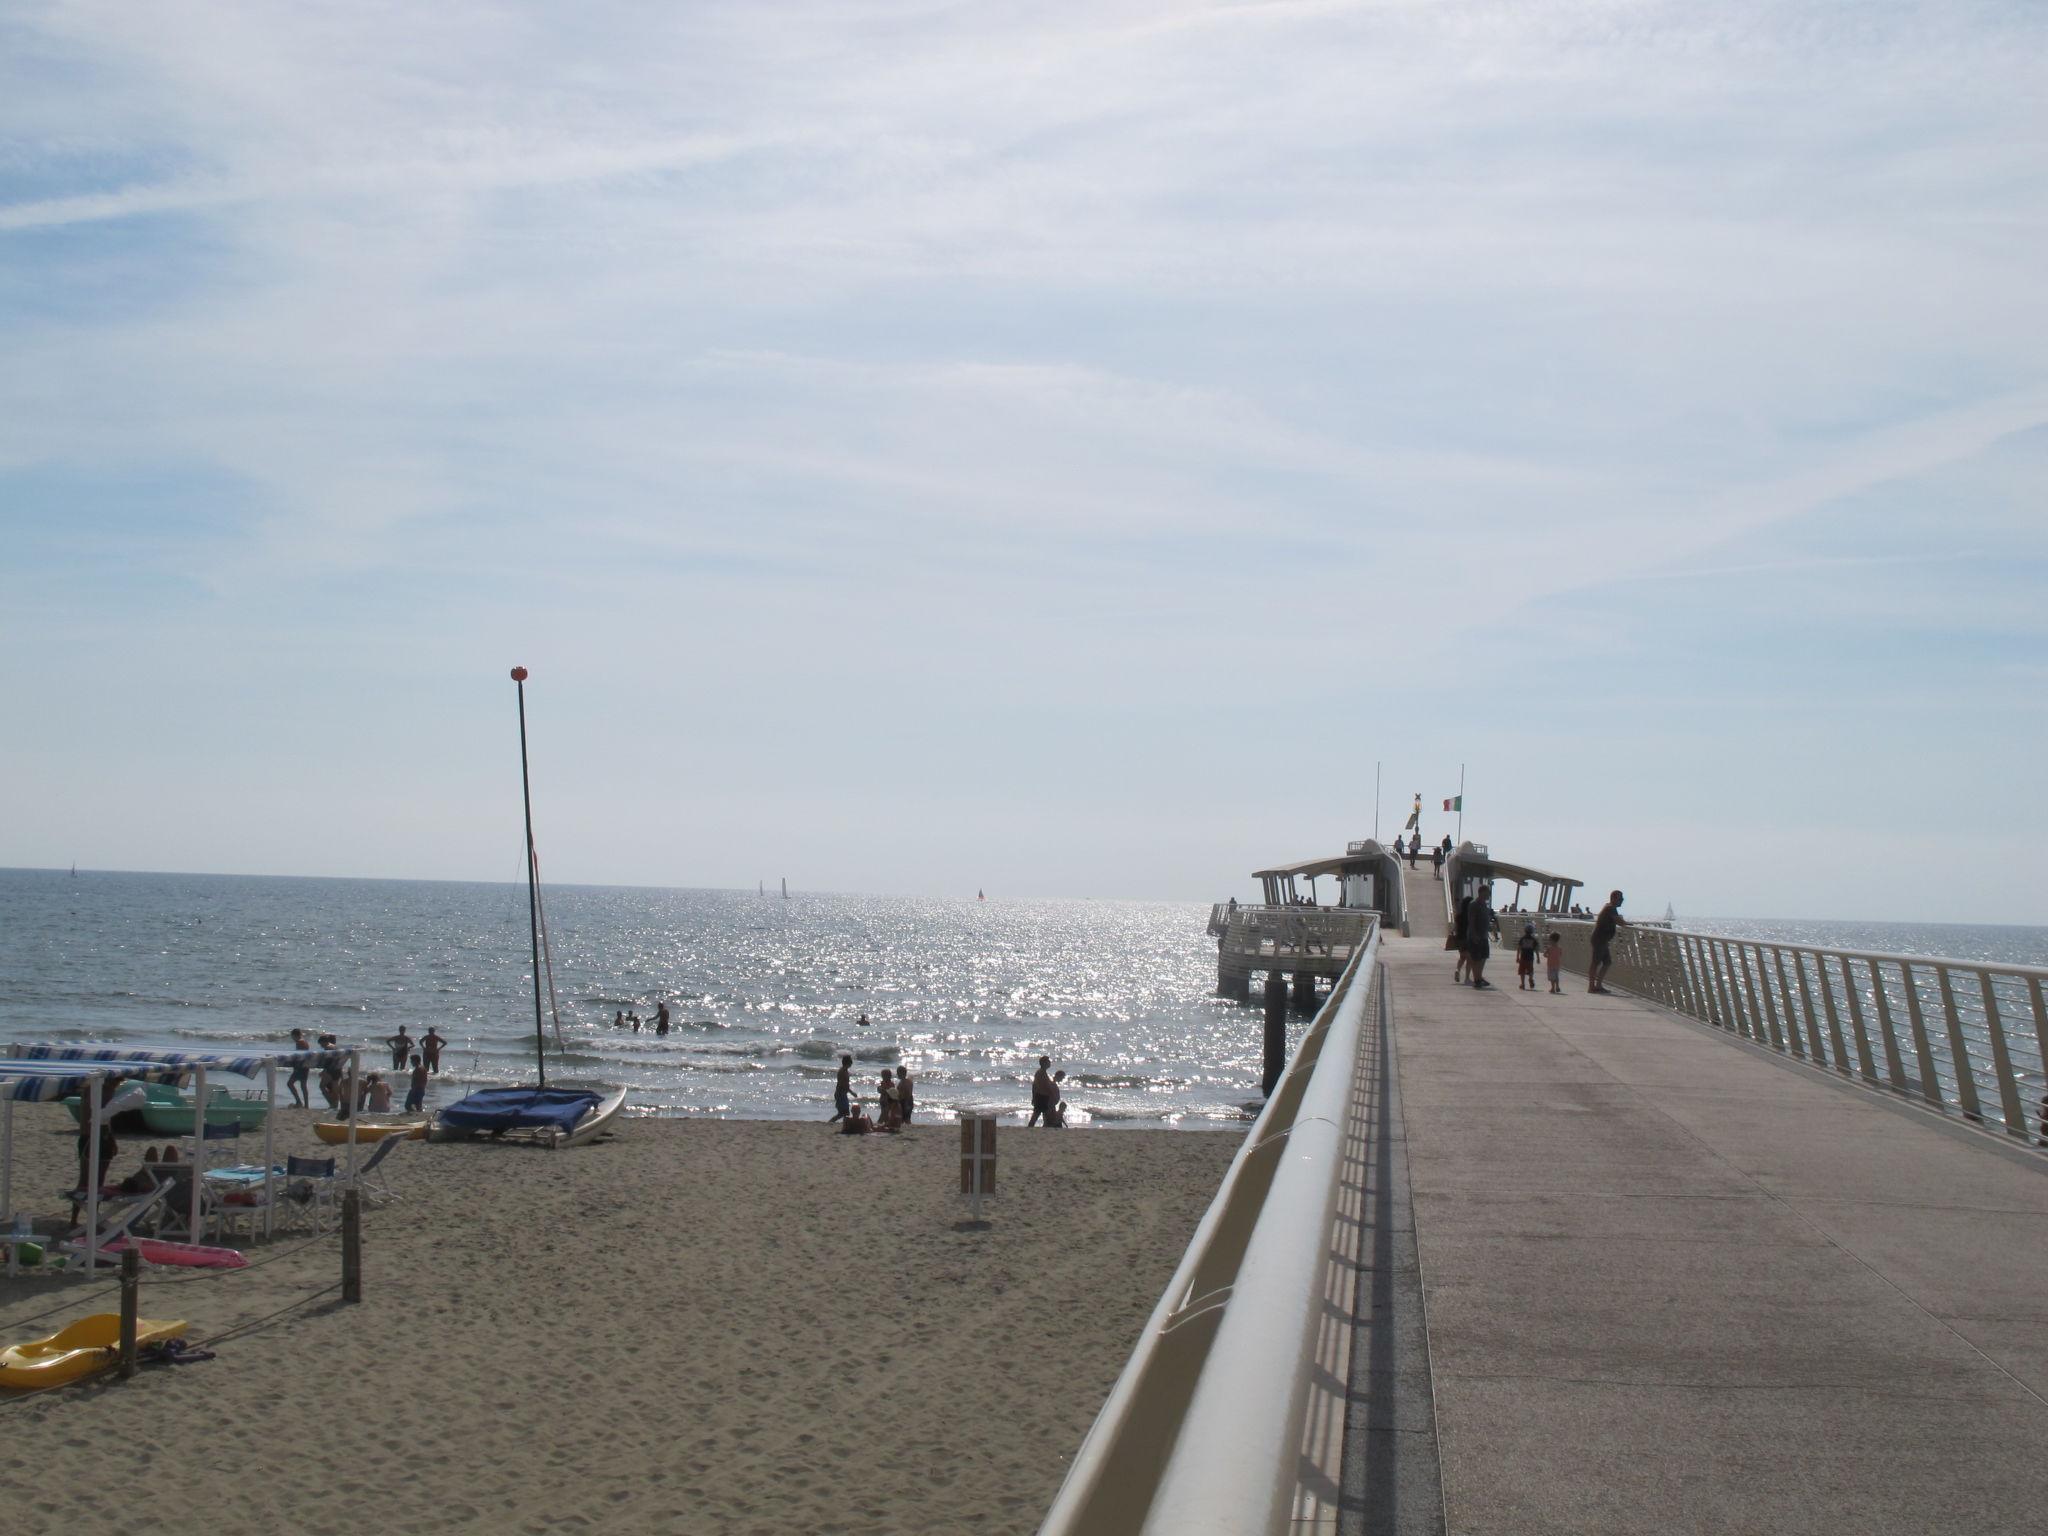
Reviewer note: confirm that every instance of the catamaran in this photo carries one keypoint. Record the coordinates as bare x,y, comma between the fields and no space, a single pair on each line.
555,1117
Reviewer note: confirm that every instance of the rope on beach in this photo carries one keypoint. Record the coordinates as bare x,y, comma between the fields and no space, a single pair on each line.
71,1300
257,1322
74,1299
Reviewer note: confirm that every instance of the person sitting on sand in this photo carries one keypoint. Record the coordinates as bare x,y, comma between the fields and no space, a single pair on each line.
906,1098
857,1122
1042,1091
430,1048
143,1179
416,1095
842,1090
380,1094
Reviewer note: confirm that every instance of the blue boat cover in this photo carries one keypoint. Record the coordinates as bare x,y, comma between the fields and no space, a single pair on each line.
519,1109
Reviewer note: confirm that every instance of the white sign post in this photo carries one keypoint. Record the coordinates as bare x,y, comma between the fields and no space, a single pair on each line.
977,1160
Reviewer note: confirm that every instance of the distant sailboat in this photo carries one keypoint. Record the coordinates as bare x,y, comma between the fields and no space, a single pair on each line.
760,887
74,871
981,895
785,887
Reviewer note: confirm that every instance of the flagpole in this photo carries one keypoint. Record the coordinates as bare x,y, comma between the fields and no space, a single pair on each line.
1461,804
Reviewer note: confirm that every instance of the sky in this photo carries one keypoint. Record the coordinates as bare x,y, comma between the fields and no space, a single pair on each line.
1055,449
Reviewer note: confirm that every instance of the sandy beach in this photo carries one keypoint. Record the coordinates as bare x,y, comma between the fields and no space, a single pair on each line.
710,1326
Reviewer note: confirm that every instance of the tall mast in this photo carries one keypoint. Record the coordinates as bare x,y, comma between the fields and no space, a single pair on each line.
540,1047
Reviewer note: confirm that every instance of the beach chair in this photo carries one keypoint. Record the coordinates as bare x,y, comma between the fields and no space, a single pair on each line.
309,1188
172,1220
226,1205
117,1219
367,1176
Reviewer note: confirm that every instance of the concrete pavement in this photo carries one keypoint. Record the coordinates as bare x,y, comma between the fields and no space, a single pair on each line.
1672,1284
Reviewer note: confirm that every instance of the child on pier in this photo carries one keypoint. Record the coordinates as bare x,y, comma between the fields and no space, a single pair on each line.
1553,961
1525,958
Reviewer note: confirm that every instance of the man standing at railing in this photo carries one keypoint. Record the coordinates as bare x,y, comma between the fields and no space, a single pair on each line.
1603,942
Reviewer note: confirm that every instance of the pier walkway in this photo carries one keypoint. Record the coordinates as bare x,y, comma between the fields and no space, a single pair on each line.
1669,1282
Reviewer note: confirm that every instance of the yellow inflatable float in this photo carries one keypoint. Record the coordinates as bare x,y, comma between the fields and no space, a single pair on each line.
369,1129
76,1350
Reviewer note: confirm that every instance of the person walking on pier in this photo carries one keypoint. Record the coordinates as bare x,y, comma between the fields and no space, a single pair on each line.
1479,924
1457,939
1526,948
1610,918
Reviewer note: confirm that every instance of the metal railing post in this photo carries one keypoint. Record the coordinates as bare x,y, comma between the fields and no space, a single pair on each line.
1923,1052
1855,1001
2001,1061
1827,1000
1958,1047
1731,995
1880,998
1791,1013
1763,990
2040,1045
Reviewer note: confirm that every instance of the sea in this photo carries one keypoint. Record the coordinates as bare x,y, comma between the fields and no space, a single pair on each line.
764,992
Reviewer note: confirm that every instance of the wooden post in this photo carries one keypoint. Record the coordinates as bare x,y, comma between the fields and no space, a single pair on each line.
131,1288
977,1160
351,1244
1276,1028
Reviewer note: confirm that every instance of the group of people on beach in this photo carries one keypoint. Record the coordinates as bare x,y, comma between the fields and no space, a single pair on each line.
416,1058
1476,925
659,1023
895,1102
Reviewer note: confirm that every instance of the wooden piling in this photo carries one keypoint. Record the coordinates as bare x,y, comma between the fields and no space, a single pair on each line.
131,1306
351,1245
1276,1028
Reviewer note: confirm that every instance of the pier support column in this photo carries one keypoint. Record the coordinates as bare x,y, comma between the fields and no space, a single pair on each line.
1305,994
1276,1028
1233,983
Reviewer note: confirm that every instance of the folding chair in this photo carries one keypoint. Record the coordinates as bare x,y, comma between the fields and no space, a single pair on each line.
366,1175
116,1221
309,1185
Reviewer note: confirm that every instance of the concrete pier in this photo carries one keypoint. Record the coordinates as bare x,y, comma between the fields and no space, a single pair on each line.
1622,1273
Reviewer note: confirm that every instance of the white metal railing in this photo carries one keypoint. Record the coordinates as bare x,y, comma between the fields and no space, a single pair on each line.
1959,1035
1203,1431
1252,932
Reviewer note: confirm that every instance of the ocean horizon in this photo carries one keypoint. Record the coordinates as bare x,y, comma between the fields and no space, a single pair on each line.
765,993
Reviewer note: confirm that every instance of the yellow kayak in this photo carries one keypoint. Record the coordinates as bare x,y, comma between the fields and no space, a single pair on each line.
370,1129
76,1350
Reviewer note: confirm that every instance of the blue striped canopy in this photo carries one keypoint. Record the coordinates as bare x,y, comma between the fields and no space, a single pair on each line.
107,1056
37,1083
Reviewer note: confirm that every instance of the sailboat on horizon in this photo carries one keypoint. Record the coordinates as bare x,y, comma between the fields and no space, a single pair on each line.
554,1117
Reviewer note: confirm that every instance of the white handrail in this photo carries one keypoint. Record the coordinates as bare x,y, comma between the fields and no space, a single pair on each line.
1863,1014
1203,1430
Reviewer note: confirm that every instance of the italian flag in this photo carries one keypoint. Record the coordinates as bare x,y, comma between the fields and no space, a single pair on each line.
1455,803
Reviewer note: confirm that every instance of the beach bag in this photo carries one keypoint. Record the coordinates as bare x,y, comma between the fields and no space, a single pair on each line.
1451,939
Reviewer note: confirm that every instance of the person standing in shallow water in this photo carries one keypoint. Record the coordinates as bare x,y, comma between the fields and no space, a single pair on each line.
1604,926
430,1048
661,1019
